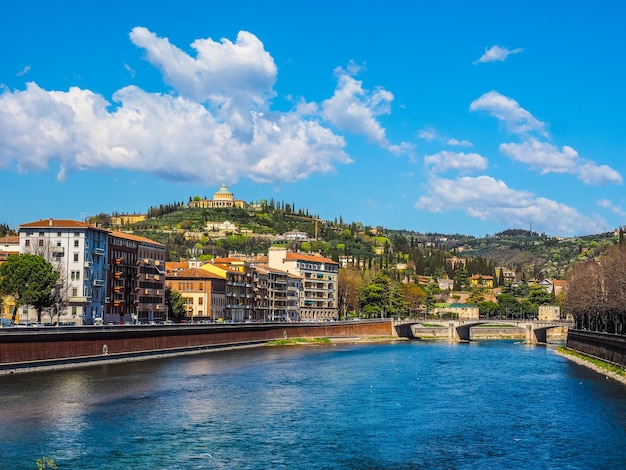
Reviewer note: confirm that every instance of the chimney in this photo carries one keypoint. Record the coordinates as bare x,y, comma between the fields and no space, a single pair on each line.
50,222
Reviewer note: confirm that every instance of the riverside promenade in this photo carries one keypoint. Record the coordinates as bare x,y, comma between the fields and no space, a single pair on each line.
25,350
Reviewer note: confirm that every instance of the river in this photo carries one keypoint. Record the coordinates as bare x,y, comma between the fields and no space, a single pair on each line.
491,404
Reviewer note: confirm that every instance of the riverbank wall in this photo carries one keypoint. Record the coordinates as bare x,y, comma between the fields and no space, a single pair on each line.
607,347
487,333
35,349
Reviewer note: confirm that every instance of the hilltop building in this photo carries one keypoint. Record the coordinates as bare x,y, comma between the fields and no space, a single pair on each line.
222,198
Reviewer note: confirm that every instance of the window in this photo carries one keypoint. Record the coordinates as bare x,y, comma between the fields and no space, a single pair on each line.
200,301
40,243
26,242
77,234
41,234
74,291
76,243
58,234
75,257
73,311
58,242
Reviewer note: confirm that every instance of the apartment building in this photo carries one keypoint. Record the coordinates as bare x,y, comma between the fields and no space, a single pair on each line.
136,279
204,293
77,250
319,277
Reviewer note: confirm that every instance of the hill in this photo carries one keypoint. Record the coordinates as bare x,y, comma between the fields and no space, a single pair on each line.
194,232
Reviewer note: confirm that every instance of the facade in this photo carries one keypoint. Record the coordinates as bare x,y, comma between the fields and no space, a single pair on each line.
151,281
127,219
549,312
462,311
136,280
204,293
222,199
9,245
319,277
77,250
481,280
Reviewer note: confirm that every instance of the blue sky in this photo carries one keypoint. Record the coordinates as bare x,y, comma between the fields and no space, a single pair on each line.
451,116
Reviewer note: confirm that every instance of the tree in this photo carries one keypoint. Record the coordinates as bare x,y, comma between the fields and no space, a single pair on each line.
349,285
30,280
414,296
175,304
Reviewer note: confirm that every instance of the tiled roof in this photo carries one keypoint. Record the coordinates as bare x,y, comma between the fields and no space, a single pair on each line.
10,240
60,223
304,257
137,238
191,273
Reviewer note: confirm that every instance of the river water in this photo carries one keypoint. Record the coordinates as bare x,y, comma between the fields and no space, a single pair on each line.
410,405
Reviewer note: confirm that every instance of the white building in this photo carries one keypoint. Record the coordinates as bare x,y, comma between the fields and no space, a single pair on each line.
78,251
319,278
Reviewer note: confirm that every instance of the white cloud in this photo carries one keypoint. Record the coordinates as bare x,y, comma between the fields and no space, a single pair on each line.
130,70
459,143
24,71
598,175
497,53
548,158
427,134
216,127
457,161
606,204
488,199
509,112
355,109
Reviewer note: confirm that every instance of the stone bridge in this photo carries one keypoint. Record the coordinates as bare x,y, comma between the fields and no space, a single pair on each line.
459,330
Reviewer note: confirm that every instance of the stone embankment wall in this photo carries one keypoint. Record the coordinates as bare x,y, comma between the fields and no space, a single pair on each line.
478,333
20,348
608,347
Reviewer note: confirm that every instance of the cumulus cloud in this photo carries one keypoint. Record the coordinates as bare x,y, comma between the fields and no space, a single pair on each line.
354,109
459,143
497,53
515,118
547,158
215,126
606,204
457,161
427,134
488,199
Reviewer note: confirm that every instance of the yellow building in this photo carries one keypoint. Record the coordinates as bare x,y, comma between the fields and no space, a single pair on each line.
481,280
127,219
9,245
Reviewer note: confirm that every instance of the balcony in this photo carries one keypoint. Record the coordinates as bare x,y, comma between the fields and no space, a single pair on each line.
99,251
98,283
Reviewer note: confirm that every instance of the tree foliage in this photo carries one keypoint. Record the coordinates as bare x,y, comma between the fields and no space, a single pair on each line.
175,304
30,279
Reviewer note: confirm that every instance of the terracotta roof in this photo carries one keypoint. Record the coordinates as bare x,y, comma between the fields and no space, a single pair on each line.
60,223
176,265
191,273
303,257
10,240
137,238
227,260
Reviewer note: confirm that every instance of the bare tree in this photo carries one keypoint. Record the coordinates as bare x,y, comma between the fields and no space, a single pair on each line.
60,292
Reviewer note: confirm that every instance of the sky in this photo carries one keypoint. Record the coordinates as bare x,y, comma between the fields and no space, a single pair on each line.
446,117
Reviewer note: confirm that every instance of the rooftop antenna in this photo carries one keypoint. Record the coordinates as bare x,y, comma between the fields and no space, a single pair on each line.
82,216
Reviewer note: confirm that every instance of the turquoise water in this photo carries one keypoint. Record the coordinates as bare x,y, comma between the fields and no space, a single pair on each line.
373,406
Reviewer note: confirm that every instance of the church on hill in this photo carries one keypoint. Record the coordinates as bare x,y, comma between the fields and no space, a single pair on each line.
222,198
